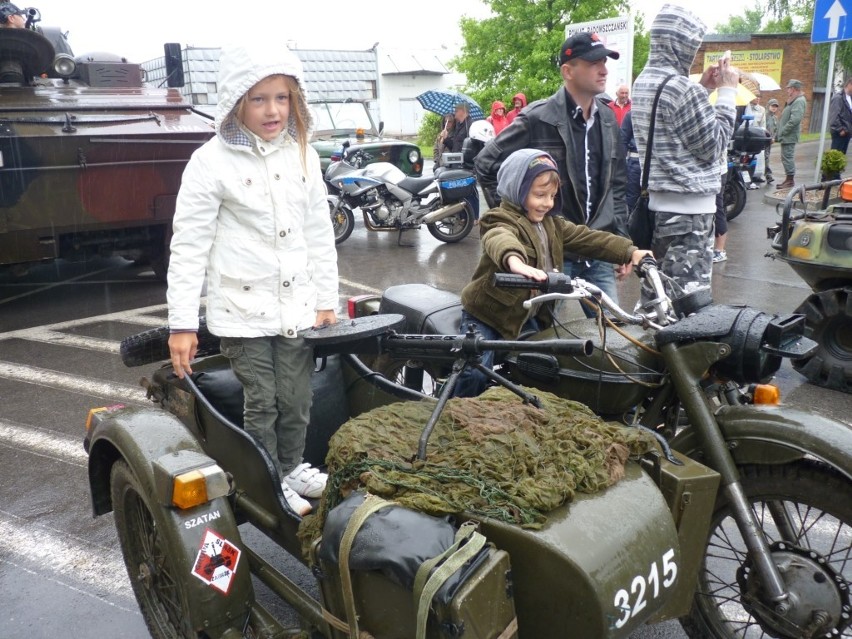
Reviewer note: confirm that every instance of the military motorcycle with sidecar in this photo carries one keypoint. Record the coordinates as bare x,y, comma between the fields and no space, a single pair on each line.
767,554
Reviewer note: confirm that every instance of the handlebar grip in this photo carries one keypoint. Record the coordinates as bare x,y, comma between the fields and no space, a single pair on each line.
555,282
644,264
511,280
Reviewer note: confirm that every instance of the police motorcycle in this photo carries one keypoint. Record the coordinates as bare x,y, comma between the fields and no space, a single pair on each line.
745,145
773,558
391,201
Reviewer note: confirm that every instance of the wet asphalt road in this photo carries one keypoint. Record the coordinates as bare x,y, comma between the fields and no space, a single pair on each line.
61,572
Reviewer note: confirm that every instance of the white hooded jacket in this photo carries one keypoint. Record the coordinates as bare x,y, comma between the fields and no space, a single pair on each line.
252,218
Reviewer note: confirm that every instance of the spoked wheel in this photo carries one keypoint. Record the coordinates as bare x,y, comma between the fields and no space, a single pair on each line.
735,198
413,374
454,228
150,563
342,220
828,321
805,511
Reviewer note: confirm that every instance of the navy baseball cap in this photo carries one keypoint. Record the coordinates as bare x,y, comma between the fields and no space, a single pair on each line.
586,46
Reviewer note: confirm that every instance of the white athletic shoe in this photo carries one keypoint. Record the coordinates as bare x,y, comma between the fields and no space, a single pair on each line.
301,506
307,481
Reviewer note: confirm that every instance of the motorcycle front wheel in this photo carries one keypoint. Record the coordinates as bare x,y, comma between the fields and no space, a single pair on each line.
454,228
735,197
805,511
151,564
342,220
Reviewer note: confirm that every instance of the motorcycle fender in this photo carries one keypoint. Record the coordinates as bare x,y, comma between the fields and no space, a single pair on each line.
776,435
219,600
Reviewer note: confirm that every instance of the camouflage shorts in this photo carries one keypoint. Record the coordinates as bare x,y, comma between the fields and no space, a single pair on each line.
683,246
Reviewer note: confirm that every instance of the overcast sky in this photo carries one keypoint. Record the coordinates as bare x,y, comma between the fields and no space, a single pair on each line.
137,31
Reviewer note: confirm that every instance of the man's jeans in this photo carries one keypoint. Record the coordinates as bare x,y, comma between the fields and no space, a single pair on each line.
601,274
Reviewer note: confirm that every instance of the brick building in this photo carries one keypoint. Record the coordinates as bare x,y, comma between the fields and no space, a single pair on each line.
782,56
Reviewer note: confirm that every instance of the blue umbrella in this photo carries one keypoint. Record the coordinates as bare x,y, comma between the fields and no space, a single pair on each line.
444,103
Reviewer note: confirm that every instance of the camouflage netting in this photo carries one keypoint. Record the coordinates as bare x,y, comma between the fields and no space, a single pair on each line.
492,456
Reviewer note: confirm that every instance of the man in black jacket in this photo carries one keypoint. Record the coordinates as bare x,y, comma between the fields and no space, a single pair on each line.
581,134
840,117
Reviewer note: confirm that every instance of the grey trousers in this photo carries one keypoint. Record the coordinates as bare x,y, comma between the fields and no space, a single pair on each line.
276,376
683,246
788,161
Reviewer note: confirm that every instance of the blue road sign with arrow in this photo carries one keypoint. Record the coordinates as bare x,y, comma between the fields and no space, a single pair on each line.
832,21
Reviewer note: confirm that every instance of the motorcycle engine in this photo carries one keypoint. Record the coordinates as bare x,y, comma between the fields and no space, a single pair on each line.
381,211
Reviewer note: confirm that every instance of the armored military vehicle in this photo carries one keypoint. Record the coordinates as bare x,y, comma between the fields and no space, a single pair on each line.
90,159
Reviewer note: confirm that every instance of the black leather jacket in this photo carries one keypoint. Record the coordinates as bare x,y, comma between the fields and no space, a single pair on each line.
544,125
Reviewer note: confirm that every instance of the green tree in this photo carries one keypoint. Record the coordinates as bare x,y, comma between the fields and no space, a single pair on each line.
747,24
515,49
641,44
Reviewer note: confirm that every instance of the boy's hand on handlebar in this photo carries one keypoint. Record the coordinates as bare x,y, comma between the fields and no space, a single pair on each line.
324,318
623,270
519,267
182,349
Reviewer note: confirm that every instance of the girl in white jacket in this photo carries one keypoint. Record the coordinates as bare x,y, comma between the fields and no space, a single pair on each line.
252,216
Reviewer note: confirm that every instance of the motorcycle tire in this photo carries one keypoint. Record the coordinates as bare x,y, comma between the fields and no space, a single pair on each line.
829,323
817,503
342,220
152,346
416,375
454,228
149,558
735,197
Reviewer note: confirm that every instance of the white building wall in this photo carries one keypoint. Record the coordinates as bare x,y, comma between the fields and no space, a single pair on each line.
400,109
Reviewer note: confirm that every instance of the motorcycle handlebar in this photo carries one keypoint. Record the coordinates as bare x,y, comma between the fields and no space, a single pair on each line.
555,282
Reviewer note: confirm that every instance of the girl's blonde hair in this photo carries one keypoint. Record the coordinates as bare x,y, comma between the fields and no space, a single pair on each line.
298,114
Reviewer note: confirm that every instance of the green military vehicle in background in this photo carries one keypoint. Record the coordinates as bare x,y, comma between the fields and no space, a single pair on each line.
338,121
817,244
90,158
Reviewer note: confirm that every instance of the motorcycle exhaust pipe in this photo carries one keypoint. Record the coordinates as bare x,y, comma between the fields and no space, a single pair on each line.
441,213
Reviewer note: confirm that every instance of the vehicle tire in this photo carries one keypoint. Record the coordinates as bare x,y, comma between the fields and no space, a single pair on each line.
735,197
152,345
150,561
818,505
454,228
342,220
161,252
828,321
413,374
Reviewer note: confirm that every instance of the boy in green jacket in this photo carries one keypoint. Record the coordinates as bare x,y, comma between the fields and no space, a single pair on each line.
521,236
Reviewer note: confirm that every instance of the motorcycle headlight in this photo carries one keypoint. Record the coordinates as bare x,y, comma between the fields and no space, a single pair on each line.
414,156
64,65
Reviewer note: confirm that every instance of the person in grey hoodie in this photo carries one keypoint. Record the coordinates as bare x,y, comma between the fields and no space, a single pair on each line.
690,141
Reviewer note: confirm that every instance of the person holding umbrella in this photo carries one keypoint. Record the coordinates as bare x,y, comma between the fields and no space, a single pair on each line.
454,142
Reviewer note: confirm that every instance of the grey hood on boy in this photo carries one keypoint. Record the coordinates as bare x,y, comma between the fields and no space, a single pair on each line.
690,135
516,174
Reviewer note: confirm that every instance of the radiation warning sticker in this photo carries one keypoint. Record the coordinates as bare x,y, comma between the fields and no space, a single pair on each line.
216,563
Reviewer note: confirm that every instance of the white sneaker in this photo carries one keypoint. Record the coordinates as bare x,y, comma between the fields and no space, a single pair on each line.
307,481
301,506
719,256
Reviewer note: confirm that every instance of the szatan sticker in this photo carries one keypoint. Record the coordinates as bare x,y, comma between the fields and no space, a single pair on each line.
216,563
